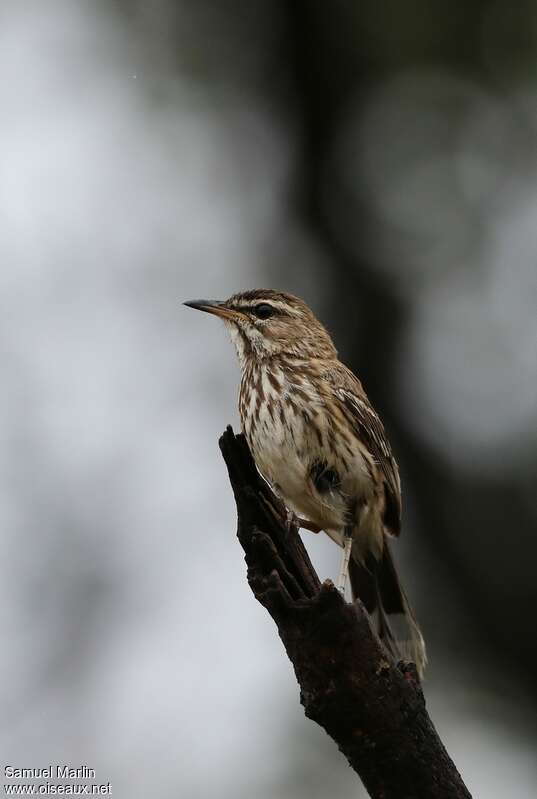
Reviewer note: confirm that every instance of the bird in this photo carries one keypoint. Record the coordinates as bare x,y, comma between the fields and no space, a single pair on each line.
317,440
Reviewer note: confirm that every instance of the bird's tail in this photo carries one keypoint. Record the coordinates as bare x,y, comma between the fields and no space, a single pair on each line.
377,585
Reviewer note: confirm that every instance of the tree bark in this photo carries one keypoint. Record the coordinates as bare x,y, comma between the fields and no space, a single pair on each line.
372,708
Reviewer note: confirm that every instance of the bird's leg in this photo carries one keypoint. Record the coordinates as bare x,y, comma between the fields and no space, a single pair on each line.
344,569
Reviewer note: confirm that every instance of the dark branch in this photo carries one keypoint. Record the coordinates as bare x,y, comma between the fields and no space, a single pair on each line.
373,709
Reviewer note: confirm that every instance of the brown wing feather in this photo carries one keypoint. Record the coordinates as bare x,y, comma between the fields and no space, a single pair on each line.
370,430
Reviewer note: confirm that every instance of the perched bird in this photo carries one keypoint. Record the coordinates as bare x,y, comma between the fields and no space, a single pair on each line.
317,440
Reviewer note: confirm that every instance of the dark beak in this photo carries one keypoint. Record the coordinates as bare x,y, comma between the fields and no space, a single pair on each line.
215,307
204,305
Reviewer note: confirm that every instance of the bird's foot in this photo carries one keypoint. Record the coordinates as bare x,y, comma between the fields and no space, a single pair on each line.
294,522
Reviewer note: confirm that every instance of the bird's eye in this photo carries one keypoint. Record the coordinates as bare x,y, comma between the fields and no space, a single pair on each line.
263,311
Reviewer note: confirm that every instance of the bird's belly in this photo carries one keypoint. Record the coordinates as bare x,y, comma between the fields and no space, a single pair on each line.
284,456
309,453
279,461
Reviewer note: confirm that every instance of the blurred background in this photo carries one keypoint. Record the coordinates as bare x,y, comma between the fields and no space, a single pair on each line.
379,159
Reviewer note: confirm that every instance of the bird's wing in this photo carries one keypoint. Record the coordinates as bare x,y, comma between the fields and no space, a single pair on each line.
370,431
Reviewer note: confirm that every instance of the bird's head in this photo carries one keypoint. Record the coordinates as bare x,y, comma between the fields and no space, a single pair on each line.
265,323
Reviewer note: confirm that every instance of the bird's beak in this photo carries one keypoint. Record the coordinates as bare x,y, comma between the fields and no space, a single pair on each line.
215,307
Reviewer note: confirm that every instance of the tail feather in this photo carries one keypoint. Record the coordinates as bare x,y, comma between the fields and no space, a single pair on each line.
378,587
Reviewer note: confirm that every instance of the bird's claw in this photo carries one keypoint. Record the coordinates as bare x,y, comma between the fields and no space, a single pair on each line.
292,522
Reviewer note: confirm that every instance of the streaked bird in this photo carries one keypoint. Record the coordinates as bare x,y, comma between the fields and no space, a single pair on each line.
317,440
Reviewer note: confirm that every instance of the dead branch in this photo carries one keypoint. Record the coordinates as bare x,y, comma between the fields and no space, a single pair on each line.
373,709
